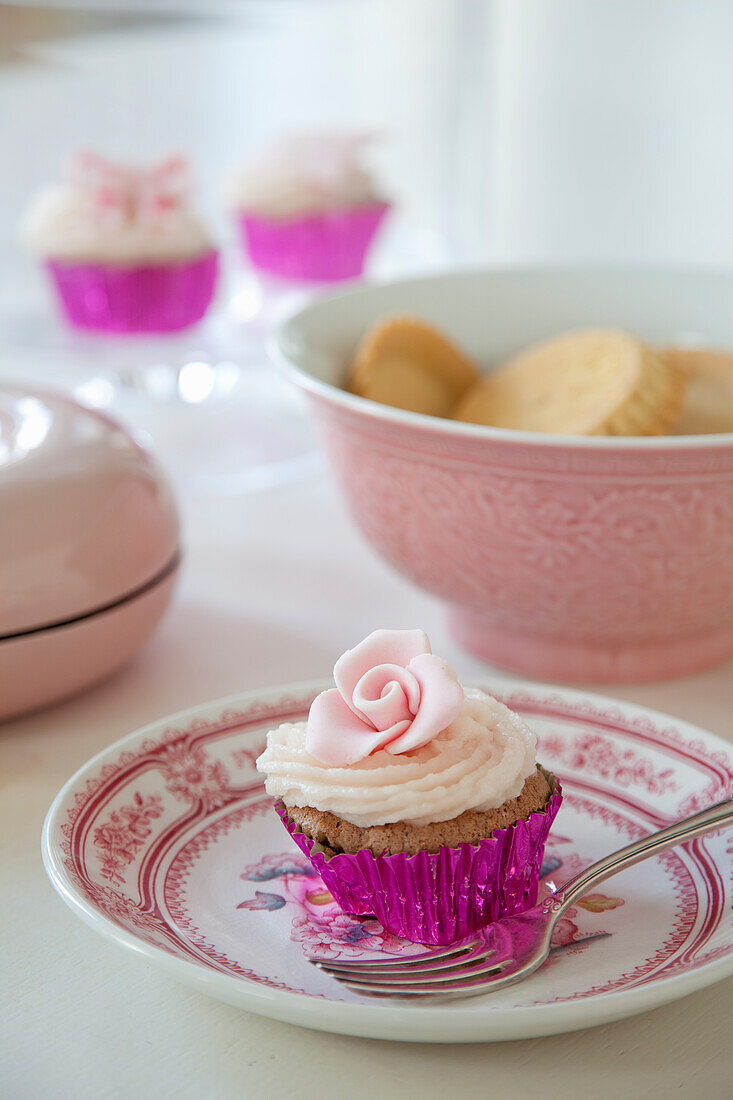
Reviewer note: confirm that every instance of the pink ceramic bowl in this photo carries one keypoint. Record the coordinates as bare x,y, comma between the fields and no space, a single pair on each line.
559,557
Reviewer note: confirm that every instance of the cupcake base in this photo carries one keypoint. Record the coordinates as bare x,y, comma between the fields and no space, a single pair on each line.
321,247
333,834
438,897
152,298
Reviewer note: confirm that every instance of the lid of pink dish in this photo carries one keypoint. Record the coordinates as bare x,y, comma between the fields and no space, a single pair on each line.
88,520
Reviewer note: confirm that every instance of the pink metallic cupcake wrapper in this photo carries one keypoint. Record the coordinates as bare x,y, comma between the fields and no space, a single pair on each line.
155,298
321,247
438,897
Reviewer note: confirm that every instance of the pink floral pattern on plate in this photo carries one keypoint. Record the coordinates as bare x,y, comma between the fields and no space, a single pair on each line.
599,757
322,929
172,841
190,775
120,838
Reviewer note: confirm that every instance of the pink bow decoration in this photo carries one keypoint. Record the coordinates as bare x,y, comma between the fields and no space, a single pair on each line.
132,193
391,693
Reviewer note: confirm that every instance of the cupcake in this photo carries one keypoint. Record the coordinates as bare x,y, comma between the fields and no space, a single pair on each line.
122,247
308,208
416,800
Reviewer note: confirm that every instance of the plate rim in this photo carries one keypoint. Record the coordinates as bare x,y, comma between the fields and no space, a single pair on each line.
423,1023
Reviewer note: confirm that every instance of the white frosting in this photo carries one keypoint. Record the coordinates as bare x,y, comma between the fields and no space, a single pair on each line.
63,224
478,762
304,173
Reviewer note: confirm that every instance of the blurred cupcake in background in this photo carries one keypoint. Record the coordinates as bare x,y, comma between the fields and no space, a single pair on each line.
308,208
122,246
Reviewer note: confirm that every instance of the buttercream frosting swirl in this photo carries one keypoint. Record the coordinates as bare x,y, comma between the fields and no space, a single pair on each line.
301,173
479,761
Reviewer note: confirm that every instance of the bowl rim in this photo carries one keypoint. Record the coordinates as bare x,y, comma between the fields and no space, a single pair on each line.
282,351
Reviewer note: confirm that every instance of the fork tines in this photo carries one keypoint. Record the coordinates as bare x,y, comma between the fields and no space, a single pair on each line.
456,969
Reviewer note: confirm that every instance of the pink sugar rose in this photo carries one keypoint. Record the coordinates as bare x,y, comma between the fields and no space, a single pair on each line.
391,693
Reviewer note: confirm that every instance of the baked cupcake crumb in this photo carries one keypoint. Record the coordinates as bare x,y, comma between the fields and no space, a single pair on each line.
334,834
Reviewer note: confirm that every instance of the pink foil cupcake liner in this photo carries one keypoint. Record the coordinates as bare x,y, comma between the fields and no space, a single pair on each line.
321,247
438,897
164,297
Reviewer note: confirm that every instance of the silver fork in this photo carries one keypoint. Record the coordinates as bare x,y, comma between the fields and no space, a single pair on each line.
513,948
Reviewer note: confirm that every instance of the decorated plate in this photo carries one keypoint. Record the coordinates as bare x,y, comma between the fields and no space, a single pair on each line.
167,844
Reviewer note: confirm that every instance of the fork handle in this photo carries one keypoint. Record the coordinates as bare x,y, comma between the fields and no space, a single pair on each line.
714,817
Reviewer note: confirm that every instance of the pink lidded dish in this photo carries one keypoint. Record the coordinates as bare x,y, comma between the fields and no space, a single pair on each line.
308,208
91,549
122,247
415,799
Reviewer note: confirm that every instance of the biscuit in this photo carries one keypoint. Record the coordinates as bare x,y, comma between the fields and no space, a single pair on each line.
708,404
408,364
407,385
596,382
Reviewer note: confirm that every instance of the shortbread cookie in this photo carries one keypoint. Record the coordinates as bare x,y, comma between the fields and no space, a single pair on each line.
408,364
407,385
597,382
708,404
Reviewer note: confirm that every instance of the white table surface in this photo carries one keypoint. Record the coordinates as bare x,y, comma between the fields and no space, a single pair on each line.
274,587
